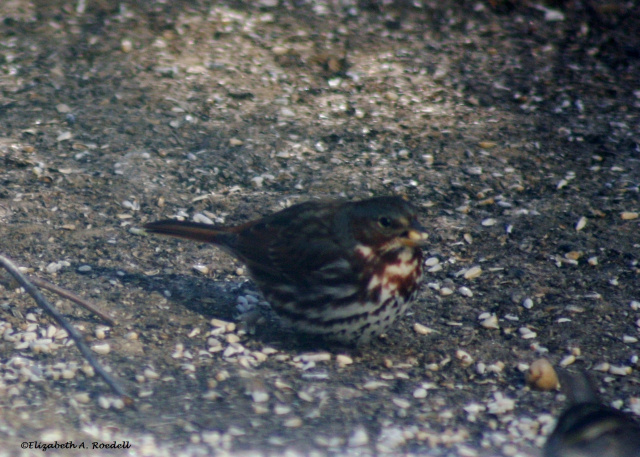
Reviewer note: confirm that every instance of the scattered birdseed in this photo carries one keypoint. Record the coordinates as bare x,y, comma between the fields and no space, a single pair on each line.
490,322
104,402
431,261
603,367
294,422
620,370
527,303
126,45
200,268
51,436
88,370
629,215
422,329
343,360
82,397
373,385
420,392
358,438
464,357
568,360
313,357
489,222
573,256
401,403
178,352
306,396
582,223
465,292
500,404
281,410
526,333
208,395
473,272
259,396
218,323
101,348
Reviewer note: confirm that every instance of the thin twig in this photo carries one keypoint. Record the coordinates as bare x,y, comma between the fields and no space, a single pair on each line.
75,335
73,297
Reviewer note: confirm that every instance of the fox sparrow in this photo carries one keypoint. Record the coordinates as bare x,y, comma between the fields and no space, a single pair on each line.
341,270
588,428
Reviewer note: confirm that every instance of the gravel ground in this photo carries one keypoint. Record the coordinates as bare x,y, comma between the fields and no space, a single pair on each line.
514,126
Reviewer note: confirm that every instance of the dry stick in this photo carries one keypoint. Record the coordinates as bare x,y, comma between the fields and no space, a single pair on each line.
73,333
73,297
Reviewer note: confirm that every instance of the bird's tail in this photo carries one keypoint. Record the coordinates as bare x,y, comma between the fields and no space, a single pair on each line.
190,230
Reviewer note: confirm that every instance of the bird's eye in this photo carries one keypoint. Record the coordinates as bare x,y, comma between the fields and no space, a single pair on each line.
384,222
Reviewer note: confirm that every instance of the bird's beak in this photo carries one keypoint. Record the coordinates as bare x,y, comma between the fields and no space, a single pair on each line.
416,235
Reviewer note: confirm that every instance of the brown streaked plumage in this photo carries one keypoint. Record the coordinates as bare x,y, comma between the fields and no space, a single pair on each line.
342,270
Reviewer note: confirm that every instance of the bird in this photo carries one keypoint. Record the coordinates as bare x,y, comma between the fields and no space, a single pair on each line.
340,270
588,428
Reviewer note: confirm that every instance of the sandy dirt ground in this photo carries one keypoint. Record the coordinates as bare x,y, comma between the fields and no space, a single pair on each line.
514,126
